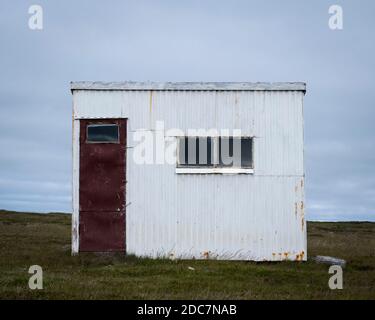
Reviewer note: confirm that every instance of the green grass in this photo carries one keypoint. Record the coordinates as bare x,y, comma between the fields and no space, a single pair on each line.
27,239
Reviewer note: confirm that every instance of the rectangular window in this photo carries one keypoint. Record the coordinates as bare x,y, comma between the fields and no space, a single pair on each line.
102,133
215,152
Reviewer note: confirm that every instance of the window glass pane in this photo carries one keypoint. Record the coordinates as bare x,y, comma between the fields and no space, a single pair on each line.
246,152
205,151
102,133
195,151
226,151
191,151
235,152
181,152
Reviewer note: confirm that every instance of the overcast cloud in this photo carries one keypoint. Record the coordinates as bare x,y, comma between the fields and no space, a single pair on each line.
189,41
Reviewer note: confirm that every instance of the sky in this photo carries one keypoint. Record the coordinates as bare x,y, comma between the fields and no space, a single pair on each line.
155,40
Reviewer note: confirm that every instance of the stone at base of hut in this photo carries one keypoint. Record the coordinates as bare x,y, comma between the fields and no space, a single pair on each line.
330,260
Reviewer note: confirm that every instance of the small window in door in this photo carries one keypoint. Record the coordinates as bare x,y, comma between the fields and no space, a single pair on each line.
102,133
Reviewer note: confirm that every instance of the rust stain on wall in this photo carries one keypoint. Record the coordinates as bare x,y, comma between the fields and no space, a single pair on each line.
302,215
206,254
151,94
299,256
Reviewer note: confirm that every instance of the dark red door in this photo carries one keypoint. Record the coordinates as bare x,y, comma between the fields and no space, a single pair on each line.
102,170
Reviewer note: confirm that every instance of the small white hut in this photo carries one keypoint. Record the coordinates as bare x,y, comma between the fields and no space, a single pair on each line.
189,170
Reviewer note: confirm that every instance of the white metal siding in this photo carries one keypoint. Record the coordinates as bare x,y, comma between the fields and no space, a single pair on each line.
254,217
75,188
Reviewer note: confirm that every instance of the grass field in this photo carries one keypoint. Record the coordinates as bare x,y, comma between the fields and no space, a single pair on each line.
28,239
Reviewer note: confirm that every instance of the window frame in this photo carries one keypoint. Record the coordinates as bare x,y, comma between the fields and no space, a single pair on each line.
103,125
215,168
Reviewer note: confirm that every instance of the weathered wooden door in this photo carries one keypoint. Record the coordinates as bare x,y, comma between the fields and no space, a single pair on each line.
102,170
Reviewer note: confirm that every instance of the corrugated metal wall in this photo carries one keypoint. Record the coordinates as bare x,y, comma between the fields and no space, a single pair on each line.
258,216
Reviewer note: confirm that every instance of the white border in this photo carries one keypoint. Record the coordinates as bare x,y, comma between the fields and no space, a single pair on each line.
214,170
